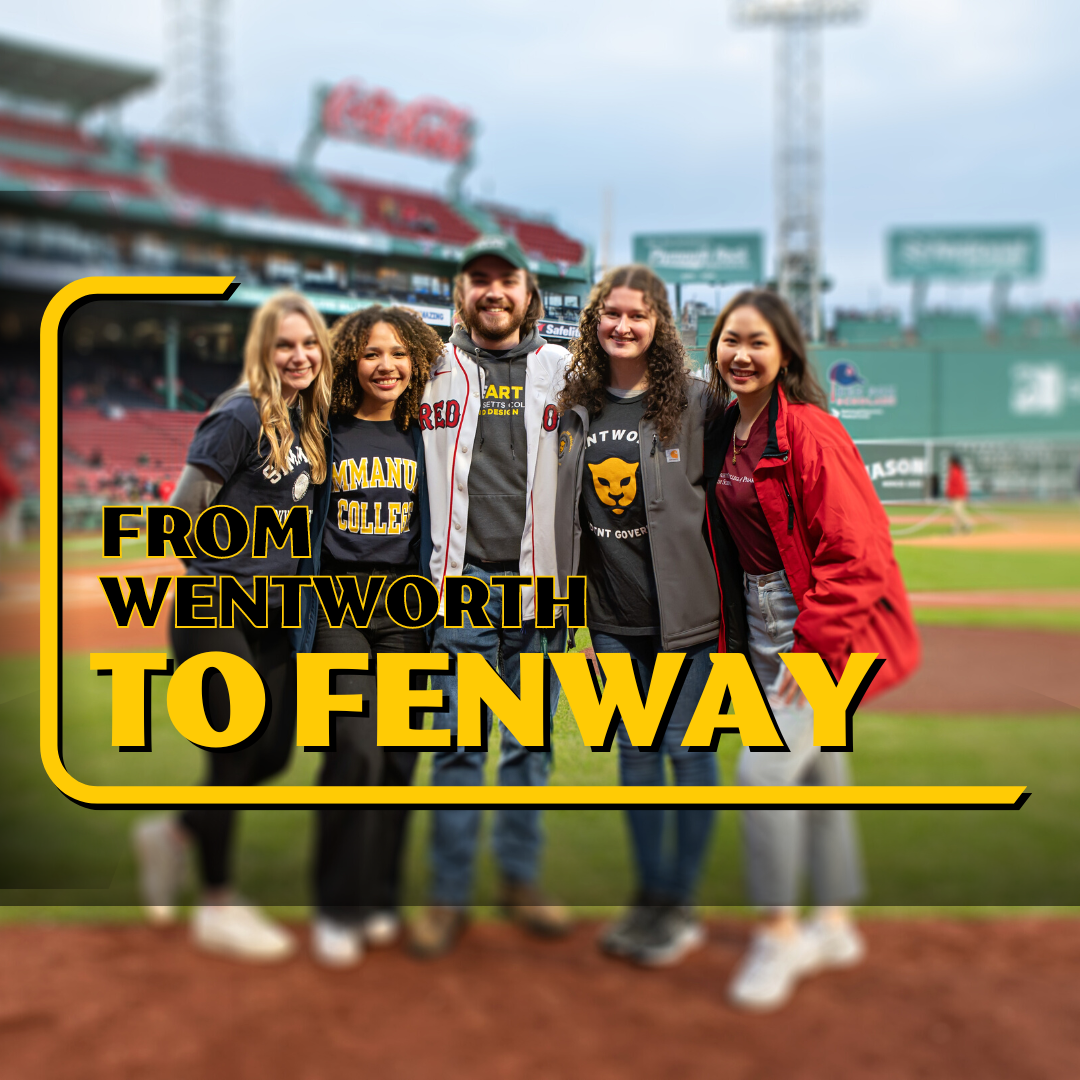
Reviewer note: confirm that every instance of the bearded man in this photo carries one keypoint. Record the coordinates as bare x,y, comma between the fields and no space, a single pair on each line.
490,426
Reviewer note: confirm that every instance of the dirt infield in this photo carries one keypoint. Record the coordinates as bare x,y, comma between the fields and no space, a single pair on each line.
984,670
935,999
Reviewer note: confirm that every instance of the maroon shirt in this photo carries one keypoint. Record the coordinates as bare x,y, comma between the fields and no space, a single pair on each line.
737,496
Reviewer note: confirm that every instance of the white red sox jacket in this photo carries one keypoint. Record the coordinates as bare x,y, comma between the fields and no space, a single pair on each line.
448,420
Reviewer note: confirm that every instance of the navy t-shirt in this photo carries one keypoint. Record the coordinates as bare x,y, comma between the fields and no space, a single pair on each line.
230,442
373,515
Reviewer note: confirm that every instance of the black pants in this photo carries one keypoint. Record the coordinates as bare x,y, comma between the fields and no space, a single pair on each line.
270,654
358,848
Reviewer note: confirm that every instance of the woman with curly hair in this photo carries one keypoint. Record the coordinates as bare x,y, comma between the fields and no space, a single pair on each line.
263,443
630,514
374,531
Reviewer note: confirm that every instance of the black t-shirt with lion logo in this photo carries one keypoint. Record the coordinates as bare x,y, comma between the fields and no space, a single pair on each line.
615,550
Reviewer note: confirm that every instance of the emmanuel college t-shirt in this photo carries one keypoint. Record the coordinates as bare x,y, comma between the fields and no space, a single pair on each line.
372,516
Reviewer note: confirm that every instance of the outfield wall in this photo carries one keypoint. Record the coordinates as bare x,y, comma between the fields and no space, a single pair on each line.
1010,411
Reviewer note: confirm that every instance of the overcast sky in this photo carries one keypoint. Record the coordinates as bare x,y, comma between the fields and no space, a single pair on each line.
936,111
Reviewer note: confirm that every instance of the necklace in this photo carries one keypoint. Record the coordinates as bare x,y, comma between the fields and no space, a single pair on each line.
736,449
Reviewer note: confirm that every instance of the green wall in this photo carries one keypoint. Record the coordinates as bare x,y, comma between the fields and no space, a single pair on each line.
1027,390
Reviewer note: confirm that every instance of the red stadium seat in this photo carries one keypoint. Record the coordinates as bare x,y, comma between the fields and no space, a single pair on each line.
240,183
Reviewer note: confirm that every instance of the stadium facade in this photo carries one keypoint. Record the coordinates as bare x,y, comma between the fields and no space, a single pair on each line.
74,203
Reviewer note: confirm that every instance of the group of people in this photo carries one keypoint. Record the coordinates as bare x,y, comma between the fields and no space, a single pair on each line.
733,514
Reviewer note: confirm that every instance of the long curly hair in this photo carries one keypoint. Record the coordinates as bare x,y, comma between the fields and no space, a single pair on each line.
350,337
589,371
796,377
264,384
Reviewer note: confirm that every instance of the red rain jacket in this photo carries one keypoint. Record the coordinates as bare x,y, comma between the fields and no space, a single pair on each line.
833,537
956,486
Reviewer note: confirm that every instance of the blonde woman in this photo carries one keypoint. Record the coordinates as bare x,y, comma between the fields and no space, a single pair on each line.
264,443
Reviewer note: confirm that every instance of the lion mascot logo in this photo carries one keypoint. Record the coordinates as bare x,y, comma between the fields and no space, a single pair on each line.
615,482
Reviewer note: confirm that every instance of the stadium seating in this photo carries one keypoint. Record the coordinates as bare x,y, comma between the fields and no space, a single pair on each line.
34,131
538,239
52,156
74,177
145,444
401,212
19,443
239,183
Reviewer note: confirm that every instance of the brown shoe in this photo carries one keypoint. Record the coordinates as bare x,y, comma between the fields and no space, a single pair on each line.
436,931
524,903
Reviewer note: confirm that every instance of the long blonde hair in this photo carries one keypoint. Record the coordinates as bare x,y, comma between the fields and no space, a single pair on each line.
264,383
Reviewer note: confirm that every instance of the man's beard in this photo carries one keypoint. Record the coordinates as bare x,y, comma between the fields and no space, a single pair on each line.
506,323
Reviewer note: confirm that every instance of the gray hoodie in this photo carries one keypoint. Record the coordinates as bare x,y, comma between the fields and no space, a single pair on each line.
498,476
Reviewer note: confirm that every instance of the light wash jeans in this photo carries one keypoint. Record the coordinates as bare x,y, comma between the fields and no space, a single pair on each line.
779,845
666,876
455,832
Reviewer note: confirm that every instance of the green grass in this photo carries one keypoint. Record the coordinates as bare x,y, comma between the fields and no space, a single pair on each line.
54,853
68,861
1061,620
927,569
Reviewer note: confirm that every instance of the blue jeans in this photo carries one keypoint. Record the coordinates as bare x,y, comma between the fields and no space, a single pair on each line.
779,846
666,876
517,836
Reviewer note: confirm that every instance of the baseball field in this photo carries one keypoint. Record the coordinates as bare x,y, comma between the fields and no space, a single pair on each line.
970,917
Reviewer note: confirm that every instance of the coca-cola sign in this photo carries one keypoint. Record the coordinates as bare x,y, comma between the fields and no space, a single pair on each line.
427,126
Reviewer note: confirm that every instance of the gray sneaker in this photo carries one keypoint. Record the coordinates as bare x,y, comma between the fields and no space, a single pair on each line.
671,934
624,936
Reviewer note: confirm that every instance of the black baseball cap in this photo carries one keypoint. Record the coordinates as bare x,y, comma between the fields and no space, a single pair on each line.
504,247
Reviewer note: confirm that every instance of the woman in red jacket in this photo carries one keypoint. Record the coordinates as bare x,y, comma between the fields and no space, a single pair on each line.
791,503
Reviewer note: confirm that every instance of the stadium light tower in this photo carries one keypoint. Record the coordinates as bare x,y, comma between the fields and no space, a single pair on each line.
198,94
798,147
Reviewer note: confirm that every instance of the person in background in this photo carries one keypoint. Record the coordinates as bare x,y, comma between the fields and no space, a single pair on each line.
10,508
630,515
956,491
792,505
489,420
264,443
377,525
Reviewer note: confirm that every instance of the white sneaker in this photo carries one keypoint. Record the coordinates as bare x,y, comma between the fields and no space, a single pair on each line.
161,858
241,931
833,944
381,929
336,945
768,974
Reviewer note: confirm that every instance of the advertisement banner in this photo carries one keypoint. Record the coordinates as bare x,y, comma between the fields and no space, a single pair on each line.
964,254
1031,390
900,471
702,258
879,394
427,126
